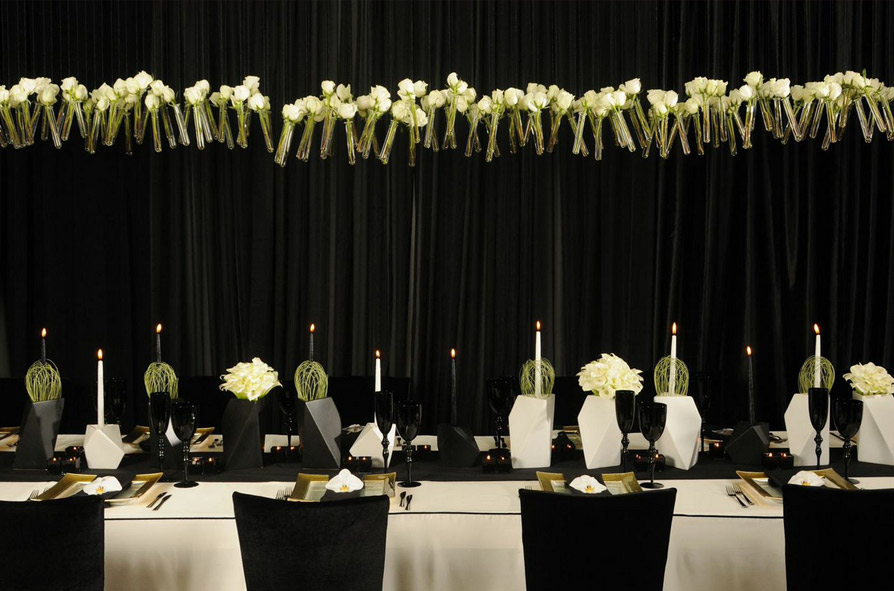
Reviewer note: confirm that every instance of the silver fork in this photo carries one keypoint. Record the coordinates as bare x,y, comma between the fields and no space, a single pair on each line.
732,492
739,490
34,494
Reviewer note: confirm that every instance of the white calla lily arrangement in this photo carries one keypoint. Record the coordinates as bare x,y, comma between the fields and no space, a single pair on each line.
608,374
250,380
869,379
709,116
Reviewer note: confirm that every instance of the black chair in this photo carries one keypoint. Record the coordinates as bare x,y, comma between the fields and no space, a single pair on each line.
571,540
55,545
821,527
331,545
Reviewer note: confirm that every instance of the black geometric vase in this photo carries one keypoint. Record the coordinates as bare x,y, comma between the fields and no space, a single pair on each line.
37,438
457,446
242,438
321,435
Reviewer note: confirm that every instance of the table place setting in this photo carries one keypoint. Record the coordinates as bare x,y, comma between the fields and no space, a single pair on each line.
614,484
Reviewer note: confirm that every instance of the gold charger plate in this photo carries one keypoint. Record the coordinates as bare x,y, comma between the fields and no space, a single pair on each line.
312,487
761,484
552,482
139,486
66,486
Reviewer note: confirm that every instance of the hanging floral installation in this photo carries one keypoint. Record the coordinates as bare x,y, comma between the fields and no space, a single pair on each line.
708,116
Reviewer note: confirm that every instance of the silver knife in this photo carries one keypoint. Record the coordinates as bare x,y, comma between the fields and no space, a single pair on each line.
201,439
156,499
163,501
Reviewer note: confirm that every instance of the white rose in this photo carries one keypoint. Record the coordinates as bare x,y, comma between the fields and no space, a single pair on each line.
452,80
691,106
753,79
670,98
131,85
485,105
192,95
347,110
69,83
328,87
314,105
204,86
632,86
834,91
226,92
343,92
120,87
746,92
655,96
152,101
17,95
81,92
406,88
4,95
251,82
256,102
564,100
462,105
168,95
102,103
365,102
27,85
419,88
143,80
241,94
157,87
47,94
291,113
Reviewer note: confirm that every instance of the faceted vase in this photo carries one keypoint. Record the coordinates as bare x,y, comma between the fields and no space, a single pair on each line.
599,432
37,438
875,440
679,442
531,431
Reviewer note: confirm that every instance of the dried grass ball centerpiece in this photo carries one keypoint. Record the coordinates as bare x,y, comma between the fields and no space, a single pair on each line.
250,380
527,378
42,381
608,374
311,381
806,375
662,376
161,377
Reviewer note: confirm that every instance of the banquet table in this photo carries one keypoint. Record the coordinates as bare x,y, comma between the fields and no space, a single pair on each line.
463,530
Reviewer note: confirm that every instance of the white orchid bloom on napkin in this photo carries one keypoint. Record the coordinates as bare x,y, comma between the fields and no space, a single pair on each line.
105,484
587,484
344,482
807,478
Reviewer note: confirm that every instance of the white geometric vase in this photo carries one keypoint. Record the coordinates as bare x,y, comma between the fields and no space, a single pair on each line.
801,433
875,440
599,432
369,443
679,442
102,447
531,431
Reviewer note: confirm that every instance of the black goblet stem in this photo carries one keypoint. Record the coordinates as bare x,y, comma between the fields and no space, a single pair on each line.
186,460
385,453
409,451
289,430
625,441
160,446
819,448
652,451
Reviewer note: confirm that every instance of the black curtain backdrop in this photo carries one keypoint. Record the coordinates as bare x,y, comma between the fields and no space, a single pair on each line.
236,257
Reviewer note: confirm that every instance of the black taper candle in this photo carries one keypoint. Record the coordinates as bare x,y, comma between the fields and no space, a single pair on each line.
312,328
750,387
43,345
453,386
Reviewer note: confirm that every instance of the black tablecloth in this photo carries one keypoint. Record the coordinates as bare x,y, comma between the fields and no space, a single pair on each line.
432,470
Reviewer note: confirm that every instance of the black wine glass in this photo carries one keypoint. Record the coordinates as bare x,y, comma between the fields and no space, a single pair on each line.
625,413
499,397
384,407
288,401
818,407
160,415
183,419
652,418
409,418
848,414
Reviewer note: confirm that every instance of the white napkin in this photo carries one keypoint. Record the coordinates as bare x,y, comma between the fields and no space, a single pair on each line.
344,482
807,478
587,484
106,484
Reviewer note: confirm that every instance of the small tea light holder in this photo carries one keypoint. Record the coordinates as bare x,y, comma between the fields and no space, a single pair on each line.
488,463
422,452
770,461
716,449
359,464
293,454
278,453
74,451
197,465
71,464
641,462
54,465
212,466
785,461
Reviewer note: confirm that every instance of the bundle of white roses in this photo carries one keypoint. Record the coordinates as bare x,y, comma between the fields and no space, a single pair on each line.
663,104
166,97
250,381
560,101
704,90
512,110
6,117
315,113
195,98
455,95
73,95
239,101
534,101
18,100
406,112
46,98
221,100
609,374
260,104
292,114
333,97
870,379
430,103
491,109
371,107
346,110
409,91
632,89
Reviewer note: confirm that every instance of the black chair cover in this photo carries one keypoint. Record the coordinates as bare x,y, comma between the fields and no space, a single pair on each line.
596,541
837,539
334,545
54,545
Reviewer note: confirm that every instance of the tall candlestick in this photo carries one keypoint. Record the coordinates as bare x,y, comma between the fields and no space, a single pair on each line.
453,386
378,371
538,371
43,345
158,343
312,328
100,397
750,387
817,367
672,382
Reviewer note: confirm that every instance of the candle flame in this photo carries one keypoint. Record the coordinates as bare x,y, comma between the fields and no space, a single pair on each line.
99,354
538,325
43,334
674,328
313,327
378,354
748,351
452,353
816,328
158,329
